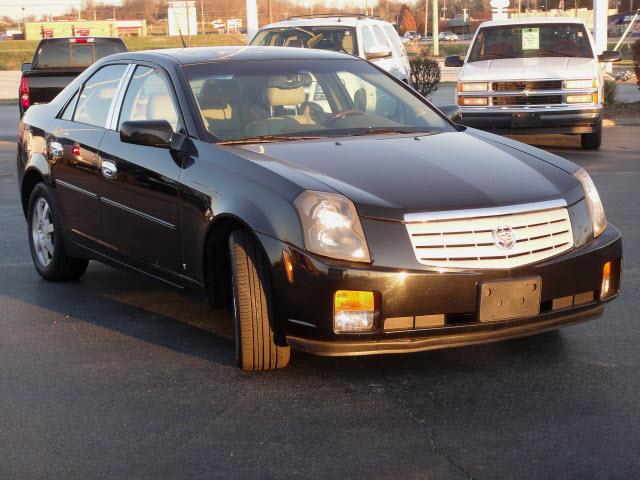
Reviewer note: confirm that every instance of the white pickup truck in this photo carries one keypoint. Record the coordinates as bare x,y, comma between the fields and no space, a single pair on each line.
533,75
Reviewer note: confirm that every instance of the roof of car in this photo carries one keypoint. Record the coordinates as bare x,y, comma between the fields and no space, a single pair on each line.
325,21
530,20
185,56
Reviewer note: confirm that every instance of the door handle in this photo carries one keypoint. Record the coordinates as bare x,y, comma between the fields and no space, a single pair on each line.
109,169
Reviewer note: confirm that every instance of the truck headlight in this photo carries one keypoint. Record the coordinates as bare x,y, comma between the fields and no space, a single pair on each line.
594,204
577,84
473,87
331,226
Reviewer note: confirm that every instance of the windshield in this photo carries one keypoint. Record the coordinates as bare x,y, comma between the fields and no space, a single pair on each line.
75,55
338,39
240,100
526,41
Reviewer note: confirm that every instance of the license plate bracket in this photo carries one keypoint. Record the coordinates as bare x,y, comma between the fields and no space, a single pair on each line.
525,120
509,299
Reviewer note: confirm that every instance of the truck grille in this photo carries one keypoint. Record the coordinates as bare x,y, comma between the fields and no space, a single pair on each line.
531,85
472,238
527,100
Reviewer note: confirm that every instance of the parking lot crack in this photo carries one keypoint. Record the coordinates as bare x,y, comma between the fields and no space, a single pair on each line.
436,448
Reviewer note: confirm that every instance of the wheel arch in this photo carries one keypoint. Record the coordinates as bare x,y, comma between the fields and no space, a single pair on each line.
31,178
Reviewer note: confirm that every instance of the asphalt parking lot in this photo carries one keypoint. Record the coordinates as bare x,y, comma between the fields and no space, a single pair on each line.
117,377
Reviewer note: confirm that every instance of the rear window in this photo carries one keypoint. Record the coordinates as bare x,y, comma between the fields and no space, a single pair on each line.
74,55
337,39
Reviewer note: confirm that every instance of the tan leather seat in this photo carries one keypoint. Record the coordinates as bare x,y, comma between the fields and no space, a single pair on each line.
347,44
284,91
161,107
220,108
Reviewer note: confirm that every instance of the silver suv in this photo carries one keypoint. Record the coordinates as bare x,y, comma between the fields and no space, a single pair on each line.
363,36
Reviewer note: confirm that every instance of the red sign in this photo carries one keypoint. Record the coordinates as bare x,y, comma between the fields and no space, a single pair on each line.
83,32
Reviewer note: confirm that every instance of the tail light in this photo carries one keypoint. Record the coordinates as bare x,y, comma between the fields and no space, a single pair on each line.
24,92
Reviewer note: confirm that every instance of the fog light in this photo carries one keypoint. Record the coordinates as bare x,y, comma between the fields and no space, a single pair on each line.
353,311
605,289
580,98
474,101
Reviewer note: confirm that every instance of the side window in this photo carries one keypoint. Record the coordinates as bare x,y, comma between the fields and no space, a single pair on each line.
148,97
97,95
67,113
381,40
368,40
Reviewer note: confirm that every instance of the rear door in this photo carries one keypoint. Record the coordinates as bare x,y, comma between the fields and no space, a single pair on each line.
139,184
73,143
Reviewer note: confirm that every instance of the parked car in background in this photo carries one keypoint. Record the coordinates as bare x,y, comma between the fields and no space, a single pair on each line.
362,36
369,225
57,61
533,75
448,37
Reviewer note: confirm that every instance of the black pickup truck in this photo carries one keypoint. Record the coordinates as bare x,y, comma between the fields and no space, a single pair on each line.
57,61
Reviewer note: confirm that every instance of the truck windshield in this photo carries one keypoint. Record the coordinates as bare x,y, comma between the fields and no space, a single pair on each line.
244,100
69,54
527,41
338,39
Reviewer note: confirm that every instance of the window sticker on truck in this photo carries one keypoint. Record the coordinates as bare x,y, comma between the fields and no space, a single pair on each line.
530,39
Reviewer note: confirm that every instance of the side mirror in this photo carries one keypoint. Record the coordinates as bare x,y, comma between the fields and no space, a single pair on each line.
26,67
150,133
609,56
379,51
453,61
452,112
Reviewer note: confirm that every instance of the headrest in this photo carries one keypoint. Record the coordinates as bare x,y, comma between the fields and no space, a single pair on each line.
347,43
160,107
284,90
217,93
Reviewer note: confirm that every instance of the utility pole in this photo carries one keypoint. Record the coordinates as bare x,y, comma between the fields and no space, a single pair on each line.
202,15
270,11
434,30
426,18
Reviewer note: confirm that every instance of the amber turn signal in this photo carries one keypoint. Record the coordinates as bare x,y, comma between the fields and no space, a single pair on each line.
353,311
605,289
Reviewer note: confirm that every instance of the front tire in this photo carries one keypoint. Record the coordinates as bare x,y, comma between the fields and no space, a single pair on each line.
45,240
591,141
252,306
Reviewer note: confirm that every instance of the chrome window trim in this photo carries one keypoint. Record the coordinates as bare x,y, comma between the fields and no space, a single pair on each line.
484,212
116,104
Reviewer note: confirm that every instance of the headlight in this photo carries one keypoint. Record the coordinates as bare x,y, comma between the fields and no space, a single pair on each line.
331,226
473,87
594,204
575,84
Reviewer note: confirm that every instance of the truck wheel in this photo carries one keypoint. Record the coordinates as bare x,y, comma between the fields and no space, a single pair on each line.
591,141
45,240
252,306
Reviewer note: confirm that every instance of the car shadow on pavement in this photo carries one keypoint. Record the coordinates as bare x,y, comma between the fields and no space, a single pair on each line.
149,312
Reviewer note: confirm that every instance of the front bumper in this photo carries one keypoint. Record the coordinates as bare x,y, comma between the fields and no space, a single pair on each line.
304,317
537,120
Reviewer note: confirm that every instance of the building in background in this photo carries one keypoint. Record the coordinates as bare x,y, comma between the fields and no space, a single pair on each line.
76,28
182,18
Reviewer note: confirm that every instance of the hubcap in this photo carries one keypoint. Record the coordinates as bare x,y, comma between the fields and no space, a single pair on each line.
42,232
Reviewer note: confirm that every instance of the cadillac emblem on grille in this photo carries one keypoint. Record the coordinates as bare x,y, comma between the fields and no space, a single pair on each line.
504,238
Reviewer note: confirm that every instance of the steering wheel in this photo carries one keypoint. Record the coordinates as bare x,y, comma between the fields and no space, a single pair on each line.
342,114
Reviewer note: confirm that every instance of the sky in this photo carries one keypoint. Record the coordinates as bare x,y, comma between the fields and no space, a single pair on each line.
13,8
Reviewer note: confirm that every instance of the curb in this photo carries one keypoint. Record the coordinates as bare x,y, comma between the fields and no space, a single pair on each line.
9,101
620,122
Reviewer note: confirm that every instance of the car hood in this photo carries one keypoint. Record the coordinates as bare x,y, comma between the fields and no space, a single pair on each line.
529,69
387,177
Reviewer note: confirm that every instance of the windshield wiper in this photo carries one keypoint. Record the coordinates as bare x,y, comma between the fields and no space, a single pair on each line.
269,139
383,130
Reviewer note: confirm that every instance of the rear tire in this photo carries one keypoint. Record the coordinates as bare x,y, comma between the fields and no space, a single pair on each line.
591,141
252,306
45,240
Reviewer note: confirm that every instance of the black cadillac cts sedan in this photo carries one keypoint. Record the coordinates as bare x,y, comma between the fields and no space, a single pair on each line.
325,203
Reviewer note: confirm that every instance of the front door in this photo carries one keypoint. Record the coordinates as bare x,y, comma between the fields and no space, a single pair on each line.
73,148
139,193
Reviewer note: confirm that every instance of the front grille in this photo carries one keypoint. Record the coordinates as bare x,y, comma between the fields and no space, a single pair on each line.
467,239
531,85
528,100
